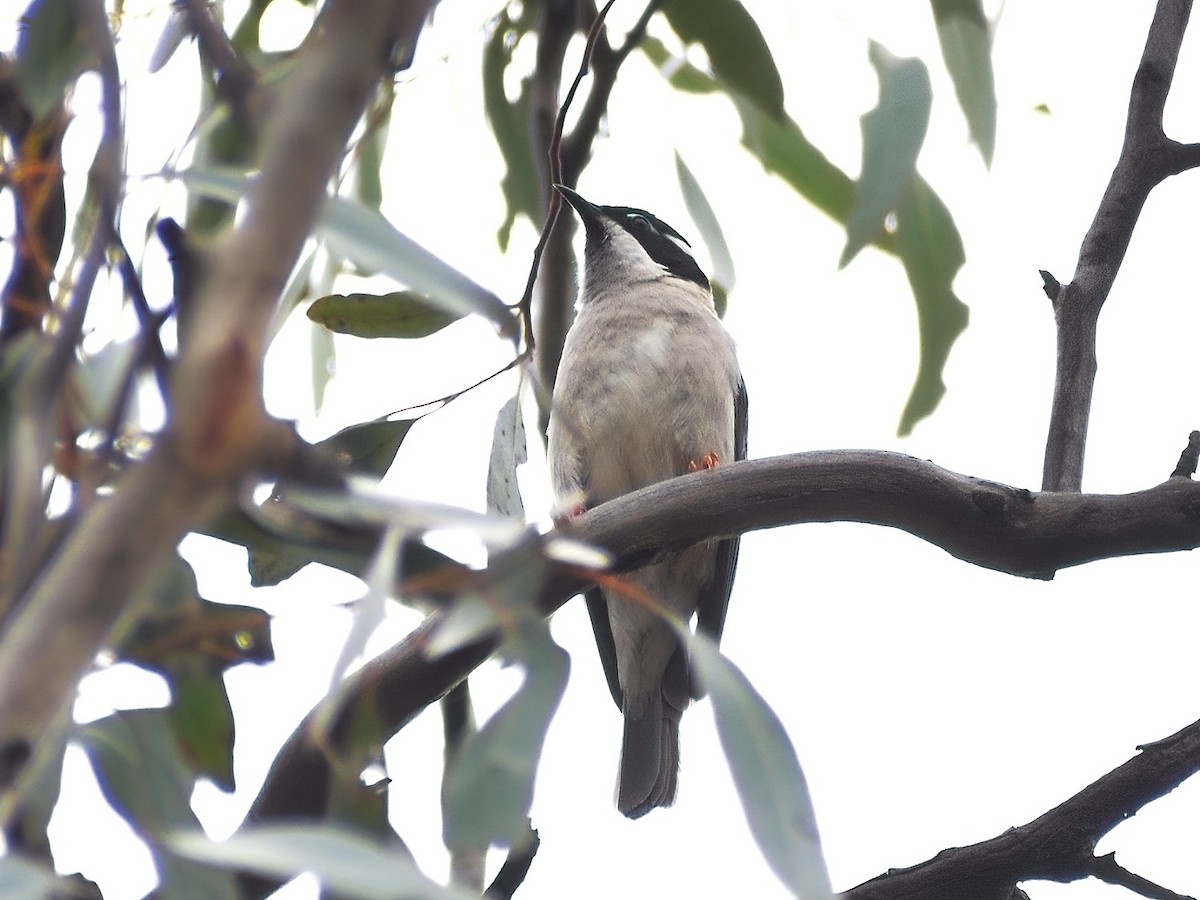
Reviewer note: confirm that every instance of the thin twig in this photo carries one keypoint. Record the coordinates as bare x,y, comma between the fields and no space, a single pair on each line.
1189,458
1107,869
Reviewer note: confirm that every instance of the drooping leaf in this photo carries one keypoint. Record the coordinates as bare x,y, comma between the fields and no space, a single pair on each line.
967,49
735,47
510,121
346,862
766,771
142,776
782,149
323,354
722,277
399,314
508,452
932,253
892,135
52,51
368,162
488,787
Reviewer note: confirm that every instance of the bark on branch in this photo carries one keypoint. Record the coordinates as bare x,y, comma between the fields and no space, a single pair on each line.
1147,158
988,524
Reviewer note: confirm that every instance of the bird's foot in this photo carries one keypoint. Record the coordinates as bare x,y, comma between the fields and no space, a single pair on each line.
707,461
564,516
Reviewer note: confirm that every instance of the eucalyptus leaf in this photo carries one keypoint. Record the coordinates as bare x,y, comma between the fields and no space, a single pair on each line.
369,447
508,452
399,314
143,777
735,47
488,787
967,49
766,771
346,862
723,277
52,51
892,135
509,121
24,879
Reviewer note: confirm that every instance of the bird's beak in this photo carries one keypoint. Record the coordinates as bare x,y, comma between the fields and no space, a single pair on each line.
593,219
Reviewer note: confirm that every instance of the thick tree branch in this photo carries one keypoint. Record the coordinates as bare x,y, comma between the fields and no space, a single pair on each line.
1147,158
1056,846
218,432
984,523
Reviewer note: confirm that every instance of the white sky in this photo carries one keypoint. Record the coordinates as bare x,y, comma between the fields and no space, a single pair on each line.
932,704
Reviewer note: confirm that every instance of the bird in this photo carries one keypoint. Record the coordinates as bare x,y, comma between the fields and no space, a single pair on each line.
648,388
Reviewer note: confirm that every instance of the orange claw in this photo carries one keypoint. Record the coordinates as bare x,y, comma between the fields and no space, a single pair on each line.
707,461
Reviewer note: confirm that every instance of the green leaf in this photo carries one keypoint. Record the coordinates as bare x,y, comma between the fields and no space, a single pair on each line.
488,787
202,722
735,47
323,354
892,135
508,452
368,162
766,771
363,236
967,49
52,51
143,777
932,253
400,314
370,447
346,862
510,122
701,211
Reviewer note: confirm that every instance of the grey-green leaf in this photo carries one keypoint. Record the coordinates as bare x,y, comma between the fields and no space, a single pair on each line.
143,777
892,135
399,314
766,771
734,45
488,788
52,51
932,253
346,862
722,276
508,452
967,49
24,879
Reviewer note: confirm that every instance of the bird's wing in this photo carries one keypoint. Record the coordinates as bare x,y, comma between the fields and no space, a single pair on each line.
597,608
714,599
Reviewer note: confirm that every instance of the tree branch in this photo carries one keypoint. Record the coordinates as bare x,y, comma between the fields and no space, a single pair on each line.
1147,158
1059,844
219,431
987,524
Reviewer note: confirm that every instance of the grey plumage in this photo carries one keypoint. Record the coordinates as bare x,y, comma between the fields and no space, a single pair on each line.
648,388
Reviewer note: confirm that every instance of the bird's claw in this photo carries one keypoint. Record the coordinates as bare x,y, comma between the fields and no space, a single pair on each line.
707,461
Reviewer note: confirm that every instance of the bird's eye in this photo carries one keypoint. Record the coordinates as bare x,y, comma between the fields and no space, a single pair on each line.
640,223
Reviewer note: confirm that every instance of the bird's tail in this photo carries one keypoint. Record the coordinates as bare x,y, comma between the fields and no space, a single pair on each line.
649,757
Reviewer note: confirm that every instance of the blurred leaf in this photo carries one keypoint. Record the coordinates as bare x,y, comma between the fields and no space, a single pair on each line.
468,619
324,360
967,49
52,51
345,861
143,777
368,162
175,31
766,771
892,135
510,122
709,225
735,46
202,723
508,452
369,447
488,787
25,879
99,378
400,314
932,253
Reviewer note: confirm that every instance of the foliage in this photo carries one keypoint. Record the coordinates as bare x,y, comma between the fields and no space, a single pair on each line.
73,428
